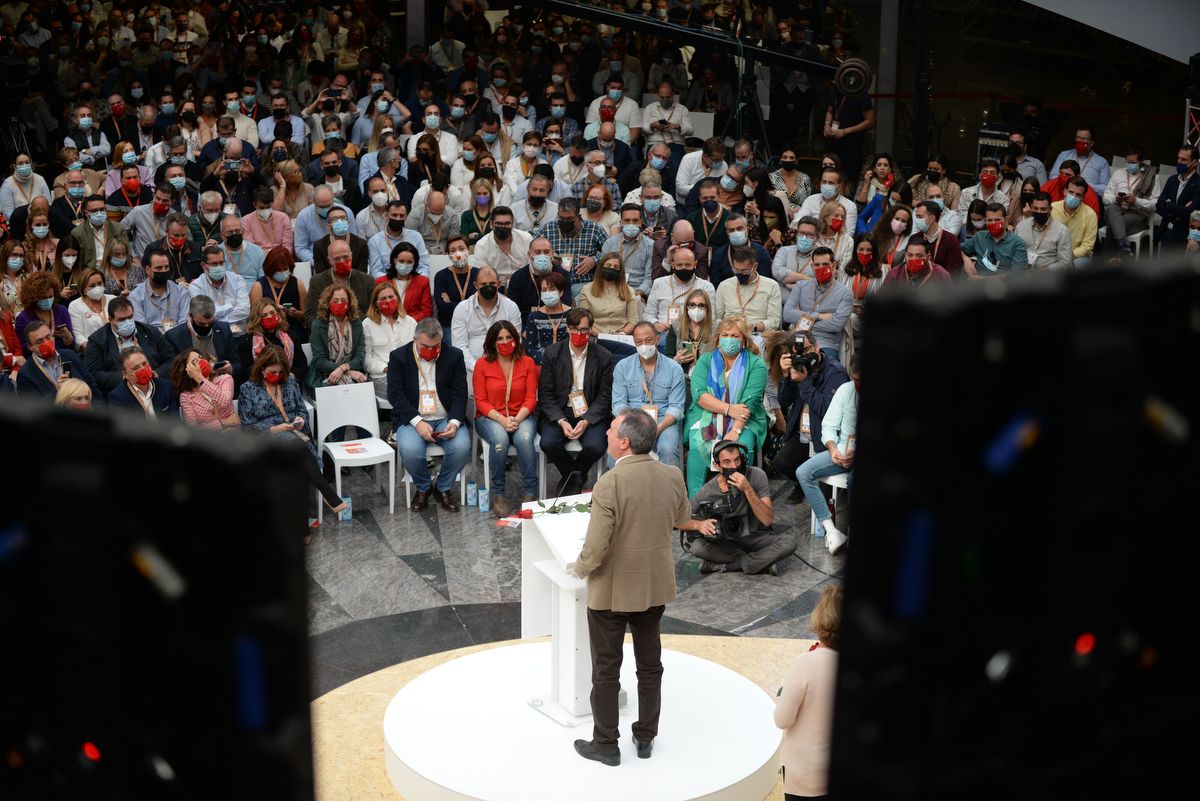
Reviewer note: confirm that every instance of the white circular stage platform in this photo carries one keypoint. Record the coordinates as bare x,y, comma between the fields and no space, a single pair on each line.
465,730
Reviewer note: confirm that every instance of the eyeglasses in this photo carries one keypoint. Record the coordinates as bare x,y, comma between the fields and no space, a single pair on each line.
696,306
579,330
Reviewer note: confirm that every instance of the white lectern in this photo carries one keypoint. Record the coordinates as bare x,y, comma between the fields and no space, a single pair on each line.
554,602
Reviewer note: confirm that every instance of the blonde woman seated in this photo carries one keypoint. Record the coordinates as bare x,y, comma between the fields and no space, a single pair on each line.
727,393
338,346
205,400
833,234
613,304
74,393
385,328
692,333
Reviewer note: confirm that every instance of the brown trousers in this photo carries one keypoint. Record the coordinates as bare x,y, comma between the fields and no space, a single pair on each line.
606,633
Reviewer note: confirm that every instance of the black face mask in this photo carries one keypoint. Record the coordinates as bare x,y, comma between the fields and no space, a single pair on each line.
502,234
488,292
933,177
424,156
189,117
742,278
508,112
576,160
1040,218
327,106
567,227
234,240
611,274
486,172
729,471
280,113
537,202
202,330
787,165
1026,197
1015,149
160,279
332,171
395,226
685,275
469,98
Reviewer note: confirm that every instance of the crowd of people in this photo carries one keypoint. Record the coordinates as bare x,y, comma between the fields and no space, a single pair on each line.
226,202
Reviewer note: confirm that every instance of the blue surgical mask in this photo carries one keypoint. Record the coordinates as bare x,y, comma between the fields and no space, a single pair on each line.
15,263
41,231
730,345
281,277
941,201
657,163
738,238
376,87
76,192
127,328
85,123
137,92
323,211
168,108
630,231
742,164
382,106
542,263
232,106
558,112
249,100
615,95
828,191
179,161
489,138
1132,167
468,156
75,165
1072,202
45,304
97,218
178,182
216,273
920,225
500,82
1194,234
431,120
717,165
340,227
550,297
651,204
129,157
118,261
804,244
457,112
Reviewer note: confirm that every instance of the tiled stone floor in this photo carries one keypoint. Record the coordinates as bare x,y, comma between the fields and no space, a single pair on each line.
387,588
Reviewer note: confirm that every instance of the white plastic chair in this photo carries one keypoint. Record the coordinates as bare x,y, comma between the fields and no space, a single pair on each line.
839,482
353,405
485,452
572,446
303,272
431,451
306,348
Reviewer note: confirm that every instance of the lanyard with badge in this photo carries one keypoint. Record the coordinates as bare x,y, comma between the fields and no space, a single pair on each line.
649,406
427,398
674,310
807,321
579,404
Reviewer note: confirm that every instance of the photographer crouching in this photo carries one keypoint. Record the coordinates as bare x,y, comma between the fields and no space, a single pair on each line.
806,390
732,521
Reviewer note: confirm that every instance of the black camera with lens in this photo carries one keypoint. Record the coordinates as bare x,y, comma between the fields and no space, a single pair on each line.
804,361
731,521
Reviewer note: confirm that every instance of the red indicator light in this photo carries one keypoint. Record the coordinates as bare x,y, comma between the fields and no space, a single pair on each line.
1085,644
91,752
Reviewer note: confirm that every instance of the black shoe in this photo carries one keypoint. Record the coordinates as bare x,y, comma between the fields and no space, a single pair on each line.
420,501
643,749
711,567
588,750
446,499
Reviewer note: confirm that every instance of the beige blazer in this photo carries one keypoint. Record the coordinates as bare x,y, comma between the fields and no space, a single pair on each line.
626,556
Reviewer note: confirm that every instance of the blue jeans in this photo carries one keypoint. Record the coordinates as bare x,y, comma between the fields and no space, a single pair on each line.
412,455
446,335
667,446
819,465
498,439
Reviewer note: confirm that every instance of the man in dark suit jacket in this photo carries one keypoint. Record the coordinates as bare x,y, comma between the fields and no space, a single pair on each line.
722,262
660,153
427,387
359,282
563,416
136,372
40,375
1180,197
201,324
523,288
349,192
103,355
123,128
680,234
620,153
360,254
184,259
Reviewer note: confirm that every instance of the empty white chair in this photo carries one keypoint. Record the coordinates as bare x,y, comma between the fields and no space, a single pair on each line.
353,405
572,446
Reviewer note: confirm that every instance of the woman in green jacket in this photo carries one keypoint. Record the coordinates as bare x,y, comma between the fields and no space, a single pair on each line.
727,398
338,346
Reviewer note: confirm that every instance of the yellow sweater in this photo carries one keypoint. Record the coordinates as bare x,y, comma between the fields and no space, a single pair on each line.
1081,224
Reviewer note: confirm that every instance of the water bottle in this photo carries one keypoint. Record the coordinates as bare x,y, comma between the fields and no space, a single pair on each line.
485,503
471,498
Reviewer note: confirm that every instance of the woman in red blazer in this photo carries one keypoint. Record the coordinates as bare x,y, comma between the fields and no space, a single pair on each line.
413,288
506,382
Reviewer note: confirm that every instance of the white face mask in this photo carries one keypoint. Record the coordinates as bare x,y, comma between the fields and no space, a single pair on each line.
264,214
647,351
69,261
379,199
697,315
434,218
96,292
598,171
531,151
210,217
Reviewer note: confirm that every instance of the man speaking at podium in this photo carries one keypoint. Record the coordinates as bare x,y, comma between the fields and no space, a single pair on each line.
626,559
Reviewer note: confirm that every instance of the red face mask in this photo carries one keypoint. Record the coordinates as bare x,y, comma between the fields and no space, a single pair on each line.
117,109
270,323
389,307
161,208
607,115
339,308
836,223
579,340
915,264
823,274
506,348
176,242
987,180
429,353
1081,146
342,267
132,185
47,349
864,258
272,378
205,367
143,375
996,228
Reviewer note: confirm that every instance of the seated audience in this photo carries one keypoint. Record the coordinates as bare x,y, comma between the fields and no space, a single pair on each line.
506,385
338,346
655,385
140,390
386,327
205,399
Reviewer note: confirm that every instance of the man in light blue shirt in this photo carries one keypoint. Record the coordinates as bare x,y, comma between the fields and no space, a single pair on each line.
312,223
1093,167
635,249
655,385
244,258
368,163
380,246
279,113
158,301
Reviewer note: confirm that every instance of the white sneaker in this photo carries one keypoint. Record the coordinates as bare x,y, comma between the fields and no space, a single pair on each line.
835,540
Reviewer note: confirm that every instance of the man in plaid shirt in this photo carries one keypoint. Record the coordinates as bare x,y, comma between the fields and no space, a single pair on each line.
598,172
575,238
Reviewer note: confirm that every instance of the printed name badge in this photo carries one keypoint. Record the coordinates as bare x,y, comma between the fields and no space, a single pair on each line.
804,429
851,443
672,314
167,325
578,403
652,411
428,402
805,324
1031,256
